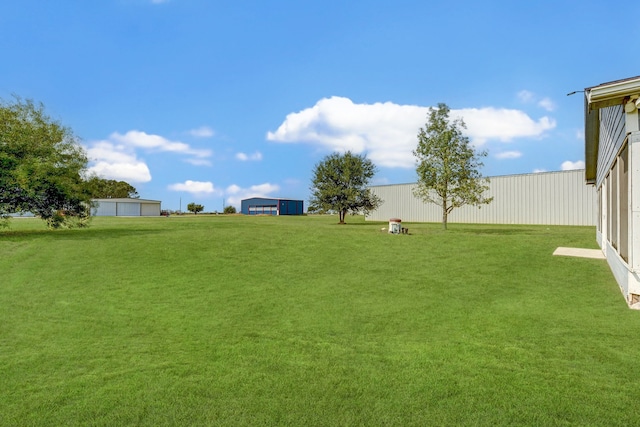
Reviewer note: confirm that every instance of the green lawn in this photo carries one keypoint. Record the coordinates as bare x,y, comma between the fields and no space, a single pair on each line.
234,320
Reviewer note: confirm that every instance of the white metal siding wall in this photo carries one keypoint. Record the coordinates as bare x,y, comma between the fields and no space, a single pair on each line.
105,209
612,136
150,209
552,198
128,209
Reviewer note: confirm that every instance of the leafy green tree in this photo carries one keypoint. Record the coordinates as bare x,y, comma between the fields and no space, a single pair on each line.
195,208
447,165
229,210
340,185
41,166
100,188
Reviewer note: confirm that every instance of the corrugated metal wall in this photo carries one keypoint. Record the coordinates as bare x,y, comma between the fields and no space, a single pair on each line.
150,209
551,198
128,209
291,207
125,207
104,209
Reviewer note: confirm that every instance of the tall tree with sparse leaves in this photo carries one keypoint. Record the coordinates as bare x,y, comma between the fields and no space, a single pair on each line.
340,185
447,165
42,165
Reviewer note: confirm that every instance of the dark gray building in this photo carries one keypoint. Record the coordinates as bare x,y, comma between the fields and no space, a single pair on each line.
267,206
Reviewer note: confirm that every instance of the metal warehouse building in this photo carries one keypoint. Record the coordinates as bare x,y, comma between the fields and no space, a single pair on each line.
548,198
125,207
264,206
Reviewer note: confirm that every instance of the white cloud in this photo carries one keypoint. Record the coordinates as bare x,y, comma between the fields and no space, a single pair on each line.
236,193
132,172
539,170
111,161
547,104
509,155
569,165
136,138
501,124
580,134
526,96
117,158
387,132
202,132
247,157
194,187
198,162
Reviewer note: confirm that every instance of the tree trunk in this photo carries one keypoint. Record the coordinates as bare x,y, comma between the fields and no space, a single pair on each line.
342,215
444,216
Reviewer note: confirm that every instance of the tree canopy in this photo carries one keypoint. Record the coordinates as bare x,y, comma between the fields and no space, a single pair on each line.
195,208
447,165
100,188
340,183
42,165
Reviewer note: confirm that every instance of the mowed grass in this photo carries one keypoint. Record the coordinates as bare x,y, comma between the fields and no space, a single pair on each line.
232,320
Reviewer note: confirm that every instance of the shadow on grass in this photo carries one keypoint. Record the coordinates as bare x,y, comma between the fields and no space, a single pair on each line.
501,231
74,234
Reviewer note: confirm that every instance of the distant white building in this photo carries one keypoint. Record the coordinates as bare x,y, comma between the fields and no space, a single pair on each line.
548,198
125,207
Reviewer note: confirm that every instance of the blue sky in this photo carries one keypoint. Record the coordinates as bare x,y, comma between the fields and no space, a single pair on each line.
213,101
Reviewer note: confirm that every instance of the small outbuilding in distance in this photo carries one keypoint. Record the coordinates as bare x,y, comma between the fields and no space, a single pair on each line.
125,207
265,206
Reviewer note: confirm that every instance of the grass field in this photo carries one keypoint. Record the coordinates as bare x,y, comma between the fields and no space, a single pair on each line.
233,320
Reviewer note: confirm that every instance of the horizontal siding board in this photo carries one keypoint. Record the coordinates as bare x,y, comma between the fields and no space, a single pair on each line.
552,198
612,136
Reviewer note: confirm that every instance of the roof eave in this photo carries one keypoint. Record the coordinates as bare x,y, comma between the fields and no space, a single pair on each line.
613,93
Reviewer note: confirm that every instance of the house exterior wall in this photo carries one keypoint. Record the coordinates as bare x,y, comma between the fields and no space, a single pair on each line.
617,141
612,136
551,198
618,233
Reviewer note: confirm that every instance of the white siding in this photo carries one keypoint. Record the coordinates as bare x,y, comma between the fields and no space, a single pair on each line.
552,198
104,209
150,209
128,209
